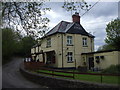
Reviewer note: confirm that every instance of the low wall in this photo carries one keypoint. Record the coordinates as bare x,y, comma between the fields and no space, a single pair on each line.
33,65
54,82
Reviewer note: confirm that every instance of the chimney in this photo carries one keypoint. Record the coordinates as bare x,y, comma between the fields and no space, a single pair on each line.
76,17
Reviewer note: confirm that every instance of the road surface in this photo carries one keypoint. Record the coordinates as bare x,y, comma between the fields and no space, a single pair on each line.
12,78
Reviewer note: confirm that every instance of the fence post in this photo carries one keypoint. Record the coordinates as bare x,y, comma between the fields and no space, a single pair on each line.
53,73
73,74
101,77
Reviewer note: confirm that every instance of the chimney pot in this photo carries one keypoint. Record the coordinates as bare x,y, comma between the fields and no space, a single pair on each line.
76,17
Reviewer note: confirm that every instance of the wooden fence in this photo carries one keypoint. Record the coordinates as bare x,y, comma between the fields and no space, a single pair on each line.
73,73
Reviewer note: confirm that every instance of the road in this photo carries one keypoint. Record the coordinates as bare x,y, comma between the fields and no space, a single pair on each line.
12,78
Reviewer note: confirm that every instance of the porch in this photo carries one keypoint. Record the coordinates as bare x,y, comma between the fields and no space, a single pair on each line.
40,59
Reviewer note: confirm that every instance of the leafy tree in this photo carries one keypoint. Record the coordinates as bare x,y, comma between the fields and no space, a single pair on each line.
76,6
15,44
105,47
27,43
113,34
8,42
26,16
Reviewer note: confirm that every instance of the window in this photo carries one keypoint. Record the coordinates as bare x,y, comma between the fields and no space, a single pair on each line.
97,59
84,41
49,42
69,40
69,57
102,57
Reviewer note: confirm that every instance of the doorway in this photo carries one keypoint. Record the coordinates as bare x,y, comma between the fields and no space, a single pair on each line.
50,56
91,62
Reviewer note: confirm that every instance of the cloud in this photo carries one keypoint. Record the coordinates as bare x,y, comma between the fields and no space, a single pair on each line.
103,9
97,25
96,47
52,14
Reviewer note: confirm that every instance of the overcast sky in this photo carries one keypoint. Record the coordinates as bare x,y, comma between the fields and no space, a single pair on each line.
93,21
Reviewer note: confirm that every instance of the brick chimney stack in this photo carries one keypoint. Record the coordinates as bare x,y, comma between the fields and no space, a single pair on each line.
76,18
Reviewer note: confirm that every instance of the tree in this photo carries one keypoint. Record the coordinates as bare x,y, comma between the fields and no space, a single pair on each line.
27,43
76,6
14,44
26,16
105,47
8,43
113,34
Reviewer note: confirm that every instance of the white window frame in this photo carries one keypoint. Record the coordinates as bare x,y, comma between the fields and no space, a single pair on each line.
69,57
84,41
69,40
48,42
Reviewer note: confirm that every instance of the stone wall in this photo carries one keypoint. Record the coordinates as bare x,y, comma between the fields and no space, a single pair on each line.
54,82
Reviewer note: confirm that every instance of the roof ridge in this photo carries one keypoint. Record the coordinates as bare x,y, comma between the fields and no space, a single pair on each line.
69,27
66,21
59,26
53,28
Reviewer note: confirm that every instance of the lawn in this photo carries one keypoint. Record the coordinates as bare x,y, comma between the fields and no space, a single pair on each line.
83,77
95,78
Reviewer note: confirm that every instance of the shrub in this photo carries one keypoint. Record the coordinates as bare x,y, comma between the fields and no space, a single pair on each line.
82,69
113,69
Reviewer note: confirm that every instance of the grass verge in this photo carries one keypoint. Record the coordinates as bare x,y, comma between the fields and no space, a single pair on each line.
84,77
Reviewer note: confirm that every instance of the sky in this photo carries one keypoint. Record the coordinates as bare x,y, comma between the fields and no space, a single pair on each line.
94,21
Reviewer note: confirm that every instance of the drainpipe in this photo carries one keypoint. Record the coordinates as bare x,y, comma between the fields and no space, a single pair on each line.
74,51
87,62
91,44
62,48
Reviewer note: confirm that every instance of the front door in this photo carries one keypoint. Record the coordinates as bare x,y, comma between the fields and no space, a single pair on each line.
50,57
91,63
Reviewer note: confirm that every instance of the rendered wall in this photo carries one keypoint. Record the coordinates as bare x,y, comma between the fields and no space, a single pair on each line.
110,58
59,44
76,48
119,57
54,46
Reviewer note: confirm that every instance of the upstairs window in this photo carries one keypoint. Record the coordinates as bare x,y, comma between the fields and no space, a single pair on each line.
69,57
84,41
48,42
69,40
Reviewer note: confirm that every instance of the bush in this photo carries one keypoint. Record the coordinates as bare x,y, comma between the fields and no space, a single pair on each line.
14,44
113,69
82,69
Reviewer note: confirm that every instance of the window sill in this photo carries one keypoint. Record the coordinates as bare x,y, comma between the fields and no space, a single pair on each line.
70,45
69,61
85,46
48,46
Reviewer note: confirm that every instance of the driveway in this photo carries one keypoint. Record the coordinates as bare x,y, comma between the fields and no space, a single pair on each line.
12,78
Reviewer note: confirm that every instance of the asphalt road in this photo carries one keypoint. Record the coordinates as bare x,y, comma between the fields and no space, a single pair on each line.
12,78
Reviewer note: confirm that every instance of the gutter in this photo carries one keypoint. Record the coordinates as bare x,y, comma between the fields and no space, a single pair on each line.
62,48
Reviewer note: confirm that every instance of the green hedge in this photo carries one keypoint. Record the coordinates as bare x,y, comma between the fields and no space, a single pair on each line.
113,69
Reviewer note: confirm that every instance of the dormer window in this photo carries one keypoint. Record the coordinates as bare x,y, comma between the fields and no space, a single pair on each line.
69,40
84,42
48,42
